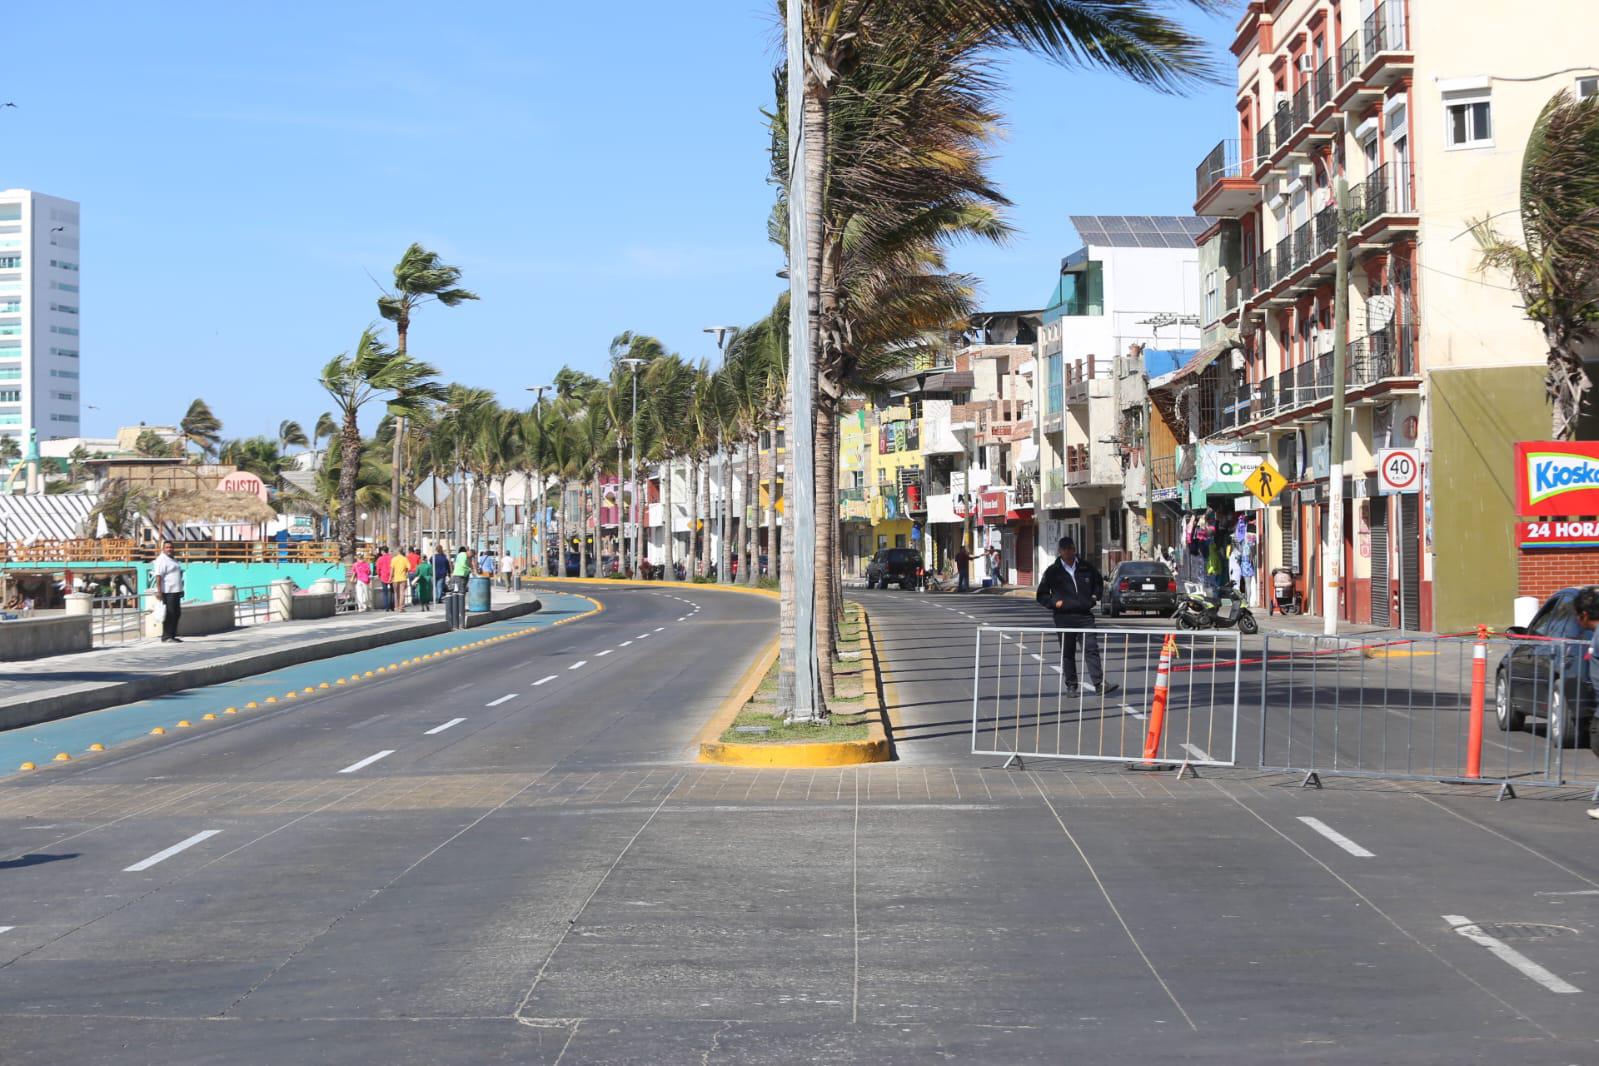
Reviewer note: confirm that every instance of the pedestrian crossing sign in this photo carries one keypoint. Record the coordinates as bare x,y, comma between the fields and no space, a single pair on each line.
1266,482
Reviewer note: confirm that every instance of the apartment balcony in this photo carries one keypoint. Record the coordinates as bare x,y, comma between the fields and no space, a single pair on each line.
1078,376
1055,487
1374,56
1163,475
1223,186
1025,494
1303,260
1389,355
1383,207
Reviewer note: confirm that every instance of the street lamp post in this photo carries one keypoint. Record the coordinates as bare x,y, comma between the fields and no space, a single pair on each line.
632,479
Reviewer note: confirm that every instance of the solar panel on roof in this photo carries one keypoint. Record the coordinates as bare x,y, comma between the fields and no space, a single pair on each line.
1139,231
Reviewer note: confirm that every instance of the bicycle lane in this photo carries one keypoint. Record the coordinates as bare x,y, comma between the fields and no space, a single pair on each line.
40,744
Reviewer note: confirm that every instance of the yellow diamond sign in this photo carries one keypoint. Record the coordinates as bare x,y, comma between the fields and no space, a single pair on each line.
1266,482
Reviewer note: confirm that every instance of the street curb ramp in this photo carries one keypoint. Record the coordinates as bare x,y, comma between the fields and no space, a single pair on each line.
877,747
26,712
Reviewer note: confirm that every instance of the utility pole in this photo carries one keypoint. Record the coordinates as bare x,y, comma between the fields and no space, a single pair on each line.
801,446
632,487
1334,533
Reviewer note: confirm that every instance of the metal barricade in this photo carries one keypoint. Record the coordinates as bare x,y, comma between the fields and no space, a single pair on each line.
1161,698
252,605
116,618
1403,710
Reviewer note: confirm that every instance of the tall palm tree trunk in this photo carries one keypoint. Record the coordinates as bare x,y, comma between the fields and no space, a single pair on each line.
560,529
349,467
769,462
692,565
724,553
750,516
786,614
401,330
826,552
708,519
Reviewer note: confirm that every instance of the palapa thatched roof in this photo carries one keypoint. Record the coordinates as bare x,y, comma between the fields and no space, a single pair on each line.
209,505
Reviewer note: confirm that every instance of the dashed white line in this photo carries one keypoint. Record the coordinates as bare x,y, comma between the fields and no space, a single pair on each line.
6,928
580,664
368,761
162,856
508,697
1336,837
624,643
1472,932
544,680
683,619
442,728
660,629
642,636
607,651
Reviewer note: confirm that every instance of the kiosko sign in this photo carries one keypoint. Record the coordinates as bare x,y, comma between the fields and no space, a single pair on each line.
1557,478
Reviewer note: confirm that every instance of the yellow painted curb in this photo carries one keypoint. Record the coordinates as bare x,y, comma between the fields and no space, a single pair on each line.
1394,653
62,756
877,747
159,731
97,746
604,582
27,766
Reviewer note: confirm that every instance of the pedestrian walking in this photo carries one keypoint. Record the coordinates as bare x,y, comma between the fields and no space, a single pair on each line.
422,586
963,568
363,584
462,569
1587,607
441,571
168,578
507,568
399,580
996,567
413,557
1071,588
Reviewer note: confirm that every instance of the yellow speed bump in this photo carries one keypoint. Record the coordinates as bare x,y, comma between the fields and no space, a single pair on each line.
230,710
308,688
291,695
62,756
369,673
272,699
27,766
208,717
97,746
252,705
185,724
341,681
159,731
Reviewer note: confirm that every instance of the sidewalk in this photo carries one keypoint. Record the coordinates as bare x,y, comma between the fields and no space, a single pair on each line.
45,689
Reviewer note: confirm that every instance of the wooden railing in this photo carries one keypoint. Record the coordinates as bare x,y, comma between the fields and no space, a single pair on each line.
116,550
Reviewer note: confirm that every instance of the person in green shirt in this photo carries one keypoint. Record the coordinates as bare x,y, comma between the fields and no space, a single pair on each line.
462,569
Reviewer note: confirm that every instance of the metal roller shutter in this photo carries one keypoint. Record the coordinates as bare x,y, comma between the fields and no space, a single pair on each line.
1380,597
1410,561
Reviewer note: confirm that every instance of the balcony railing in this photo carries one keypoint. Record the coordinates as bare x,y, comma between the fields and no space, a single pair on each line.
1304,242
1220,162
1054,481
1349,62
1263,144
1323,84
1282,124
1384,30
1265,402
1163,472
1299,110
1385,192
1388,353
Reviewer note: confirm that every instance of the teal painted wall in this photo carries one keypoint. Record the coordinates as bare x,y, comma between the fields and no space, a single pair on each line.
199,577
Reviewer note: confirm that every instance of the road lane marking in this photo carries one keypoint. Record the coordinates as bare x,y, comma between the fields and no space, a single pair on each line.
1197,752
1576,892
6,928
1465,927
545,680
578,665
607,651
442,728
502,699
162,856
1336,837
368,761
624,643
683,619
642,636
1133,712
660,629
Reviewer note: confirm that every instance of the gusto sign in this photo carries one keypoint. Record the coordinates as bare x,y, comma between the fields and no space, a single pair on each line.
245,482
1557,478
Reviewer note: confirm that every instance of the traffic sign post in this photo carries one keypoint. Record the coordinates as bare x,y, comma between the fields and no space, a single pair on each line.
1398,471
1266,482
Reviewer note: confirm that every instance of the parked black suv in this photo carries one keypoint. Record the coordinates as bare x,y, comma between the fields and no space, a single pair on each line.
900,566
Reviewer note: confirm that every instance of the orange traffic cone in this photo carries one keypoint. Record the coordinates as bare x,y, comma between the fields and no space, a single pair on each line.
1157,710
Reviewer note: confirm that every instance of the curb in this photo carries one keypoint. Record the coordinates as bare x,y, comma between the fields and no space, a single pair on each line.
877,747
628,583
220,671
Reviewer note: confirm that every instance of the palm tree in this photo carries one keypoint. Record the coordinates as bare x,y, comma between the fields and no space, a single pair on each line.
669,384
150,443
199,427
419,278
75,461
291,435
10,450
1556,265
371,482
120,507
354,380
326,428
257,455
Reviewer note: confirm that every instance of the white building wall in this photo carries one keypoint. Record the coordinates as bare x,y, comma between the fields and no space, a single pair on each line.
40,316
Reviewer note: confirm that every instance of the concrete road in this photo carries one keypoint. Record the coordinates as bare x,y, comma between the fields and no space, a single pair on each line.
508,855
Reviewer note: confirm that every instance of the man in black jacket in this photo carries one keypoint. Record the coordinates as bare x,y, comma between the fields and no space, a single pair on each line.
1071,589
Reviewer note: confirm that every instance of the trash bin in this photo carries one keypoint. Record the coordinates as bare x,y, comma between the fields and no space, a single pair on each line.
478,591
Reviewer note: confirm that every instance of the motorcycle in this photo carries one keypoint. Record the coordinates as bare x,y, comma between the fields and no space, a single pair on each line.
1198,609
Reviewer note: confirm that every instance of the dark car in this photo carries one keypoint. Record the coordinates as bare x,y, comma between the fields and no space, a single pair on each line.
1546,675
898,566
1143,588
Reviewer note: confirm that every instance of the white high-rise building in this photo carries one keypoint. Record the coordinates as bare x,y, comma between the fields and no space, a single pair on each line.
39,317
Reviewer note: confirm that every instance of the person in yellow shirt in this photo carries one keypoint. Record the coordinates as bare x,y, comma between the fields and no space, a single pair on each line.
399,581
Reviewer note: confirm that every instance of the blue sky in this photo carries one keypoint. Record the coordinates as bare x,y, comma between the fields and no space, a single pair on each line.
246,170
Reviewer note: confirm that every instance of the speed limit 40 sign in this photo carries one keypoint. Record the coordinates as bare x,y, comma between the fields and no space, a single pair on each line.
1398,471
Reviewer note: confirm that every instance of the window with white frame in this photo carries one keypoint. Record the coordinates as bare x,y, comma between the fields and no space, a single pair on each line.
1468,121
1587,87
